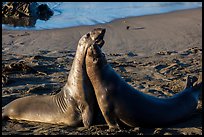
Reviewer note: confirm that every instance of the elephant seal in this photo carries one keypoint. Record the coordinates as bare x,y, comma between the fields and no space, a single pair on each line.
121,103
73,105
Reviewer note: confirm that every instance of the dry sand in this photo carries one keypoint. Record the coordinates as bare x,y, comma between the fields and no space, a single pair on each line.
154,55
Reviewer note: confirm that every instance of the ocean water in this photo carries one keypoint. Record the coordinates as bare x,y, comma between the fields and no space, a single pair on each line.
69,14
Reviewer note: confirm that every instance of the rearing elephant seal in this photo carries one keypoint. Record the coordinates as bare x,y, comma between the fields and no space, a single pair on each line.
121,103
73,104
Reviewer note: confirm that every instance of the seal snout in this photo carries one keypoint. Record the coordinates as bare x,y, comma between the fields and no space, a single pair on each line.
95,51
100,34
100,30
103,31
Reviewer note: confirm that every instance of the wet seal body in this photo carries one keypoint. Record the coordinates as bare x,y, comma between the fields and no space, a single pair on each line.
73,104
120,102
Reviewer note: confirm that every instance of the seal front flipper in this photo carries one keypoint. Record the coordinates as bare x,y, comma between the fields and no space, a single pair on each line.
87,116
109,114
111,119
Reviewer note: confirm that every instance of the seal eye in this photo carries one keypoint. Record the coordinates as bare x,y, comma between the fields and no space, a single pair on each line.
87,35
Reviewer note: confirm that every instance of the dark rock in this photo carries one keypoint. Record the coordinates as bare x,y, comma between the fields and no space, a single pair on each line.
24,13
44,12
19,9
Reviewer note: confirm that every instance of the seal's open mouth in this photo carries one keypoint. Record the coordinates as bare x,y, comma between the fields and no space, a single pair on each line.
99,40
96,51
99,43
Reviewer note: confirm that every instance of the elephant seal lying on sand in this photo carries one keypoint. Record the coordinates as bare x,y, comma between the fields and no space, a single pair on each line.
73,104
120,102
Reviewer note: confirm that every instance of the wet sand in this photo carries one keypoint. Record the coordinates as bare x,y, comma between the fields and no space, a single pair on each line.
152,53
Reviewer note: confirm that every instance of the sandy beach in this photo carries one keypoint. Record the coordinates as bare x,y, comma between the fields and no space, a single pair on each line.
153,53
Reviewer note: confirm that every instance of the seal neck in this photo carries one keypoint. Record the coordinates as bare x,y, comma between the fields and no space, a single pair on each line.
78,63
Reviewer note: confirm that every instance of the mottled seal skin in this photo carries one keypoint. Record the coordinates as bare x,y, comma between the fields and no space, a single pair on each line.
121,103
73,105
